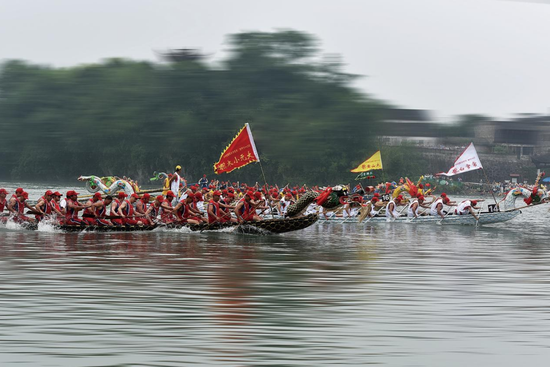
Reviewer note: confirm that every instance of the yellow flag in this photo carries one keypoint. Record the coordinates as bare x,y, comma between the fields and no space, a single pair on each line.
374,162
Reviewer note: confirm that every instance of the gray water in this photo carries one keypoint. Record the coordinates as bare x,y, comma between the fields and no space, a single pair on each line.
333,294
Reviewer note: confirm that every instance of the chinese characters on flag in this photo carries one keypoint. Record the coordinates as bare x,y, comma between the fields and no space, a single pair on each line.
374,162
239,153
467,161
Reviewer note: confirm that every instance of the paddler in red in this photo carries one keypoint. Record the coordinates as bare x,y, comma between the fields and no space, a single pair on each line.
115,206
141,208
44,206
154,209
89,214
215,210
166,209
73,207
13,202
128,212
101,211
185,213
245,209
57,210
3,201
3,204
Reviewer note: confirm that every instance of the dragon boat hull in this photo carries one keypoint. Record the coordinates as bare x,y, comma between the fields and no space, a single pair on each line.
484,219
267,225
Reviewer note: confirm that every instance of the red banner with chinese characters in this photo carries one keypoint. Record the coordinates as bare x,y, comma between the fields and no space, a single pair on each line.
239,153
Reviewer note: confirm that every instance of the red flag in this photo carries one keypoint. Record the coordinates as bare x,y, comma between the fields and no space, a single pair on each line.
239,153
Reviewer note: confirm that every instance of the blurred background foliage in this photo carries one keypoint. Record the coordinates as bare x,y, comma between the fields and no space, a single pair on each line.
124,117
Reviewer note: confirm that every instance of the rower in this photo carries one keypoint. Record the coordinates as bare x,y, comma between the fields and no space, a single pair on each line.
154,209
185,212
412,211
3,204
166,209
115,206
14,200
436,208
141,207
73,207
215,210
245,209
391,209
284,203
3,201
128,212
467,207
101,211
89,214
56,209
43,206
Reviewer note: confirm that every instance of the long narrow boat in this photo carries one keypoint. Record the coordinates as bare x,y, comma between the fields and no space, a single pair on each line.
484,218
264,226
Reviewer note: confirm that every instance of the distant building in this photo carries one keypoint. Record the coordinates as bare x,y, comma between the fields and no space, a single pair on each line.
525,135
408,126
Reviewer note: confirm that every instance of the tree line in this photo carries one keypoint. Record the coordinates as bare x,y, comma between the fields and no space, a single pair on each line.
125,117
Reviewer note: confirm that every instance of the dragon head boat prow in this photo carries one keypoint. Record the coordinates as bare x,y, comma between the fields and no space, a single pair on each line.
108,185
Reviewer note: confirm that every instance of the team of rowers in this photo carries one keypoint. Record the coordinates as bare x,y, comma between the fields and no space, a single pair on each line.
193,206
418,205
197,205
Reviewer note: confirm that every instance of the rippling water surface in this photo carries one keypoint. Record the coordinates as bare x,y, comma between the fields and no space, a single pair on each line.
387,294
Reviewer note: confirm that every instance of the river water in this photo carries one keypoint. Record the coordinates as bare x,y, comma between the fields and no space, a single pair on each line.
333,294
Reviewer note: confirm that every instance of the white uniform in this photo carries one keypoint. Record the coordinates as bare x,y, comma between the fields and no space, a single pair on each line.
433,207
175,186
463,207
410,212
390,212
284,206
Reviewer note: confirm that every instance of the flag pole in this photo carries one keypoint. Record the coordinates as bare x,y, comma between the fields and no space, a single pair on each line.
266,189
492,193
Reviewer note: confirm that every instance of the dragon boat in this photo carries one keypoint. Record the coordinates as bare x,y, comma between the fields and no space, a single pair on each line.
484,219
265,226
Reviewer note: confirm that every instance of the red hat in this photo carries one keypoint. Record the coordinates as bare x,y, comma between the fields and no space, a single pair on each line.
474,202
250,194
160,198
205,189
288,194
374,199
122,194
25,195
224,191
57,193
376,195
258,195
443,195
230,195
446,200
421,197
170,194
217,193
3,191
198,195
97,195
48,193
146,196
19,190
134,195
194,187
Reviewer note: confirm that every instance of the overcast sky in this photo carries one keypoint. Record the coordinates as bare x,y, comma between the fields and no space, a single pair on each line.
449,56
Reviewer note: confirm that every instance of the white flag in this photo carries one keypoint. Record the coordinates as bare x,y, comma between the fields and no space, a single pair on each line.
467,161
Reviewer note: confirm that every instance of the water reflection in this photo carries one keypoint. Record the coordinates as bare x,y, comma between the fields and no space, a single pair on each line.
398,294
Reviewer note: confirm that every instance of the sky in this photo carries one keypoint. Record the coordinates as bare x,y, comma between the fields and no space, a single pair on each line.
449,56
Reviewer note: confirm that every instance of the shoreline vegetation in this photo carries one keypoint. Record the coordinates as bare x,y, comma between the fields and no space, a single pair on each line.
127,117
